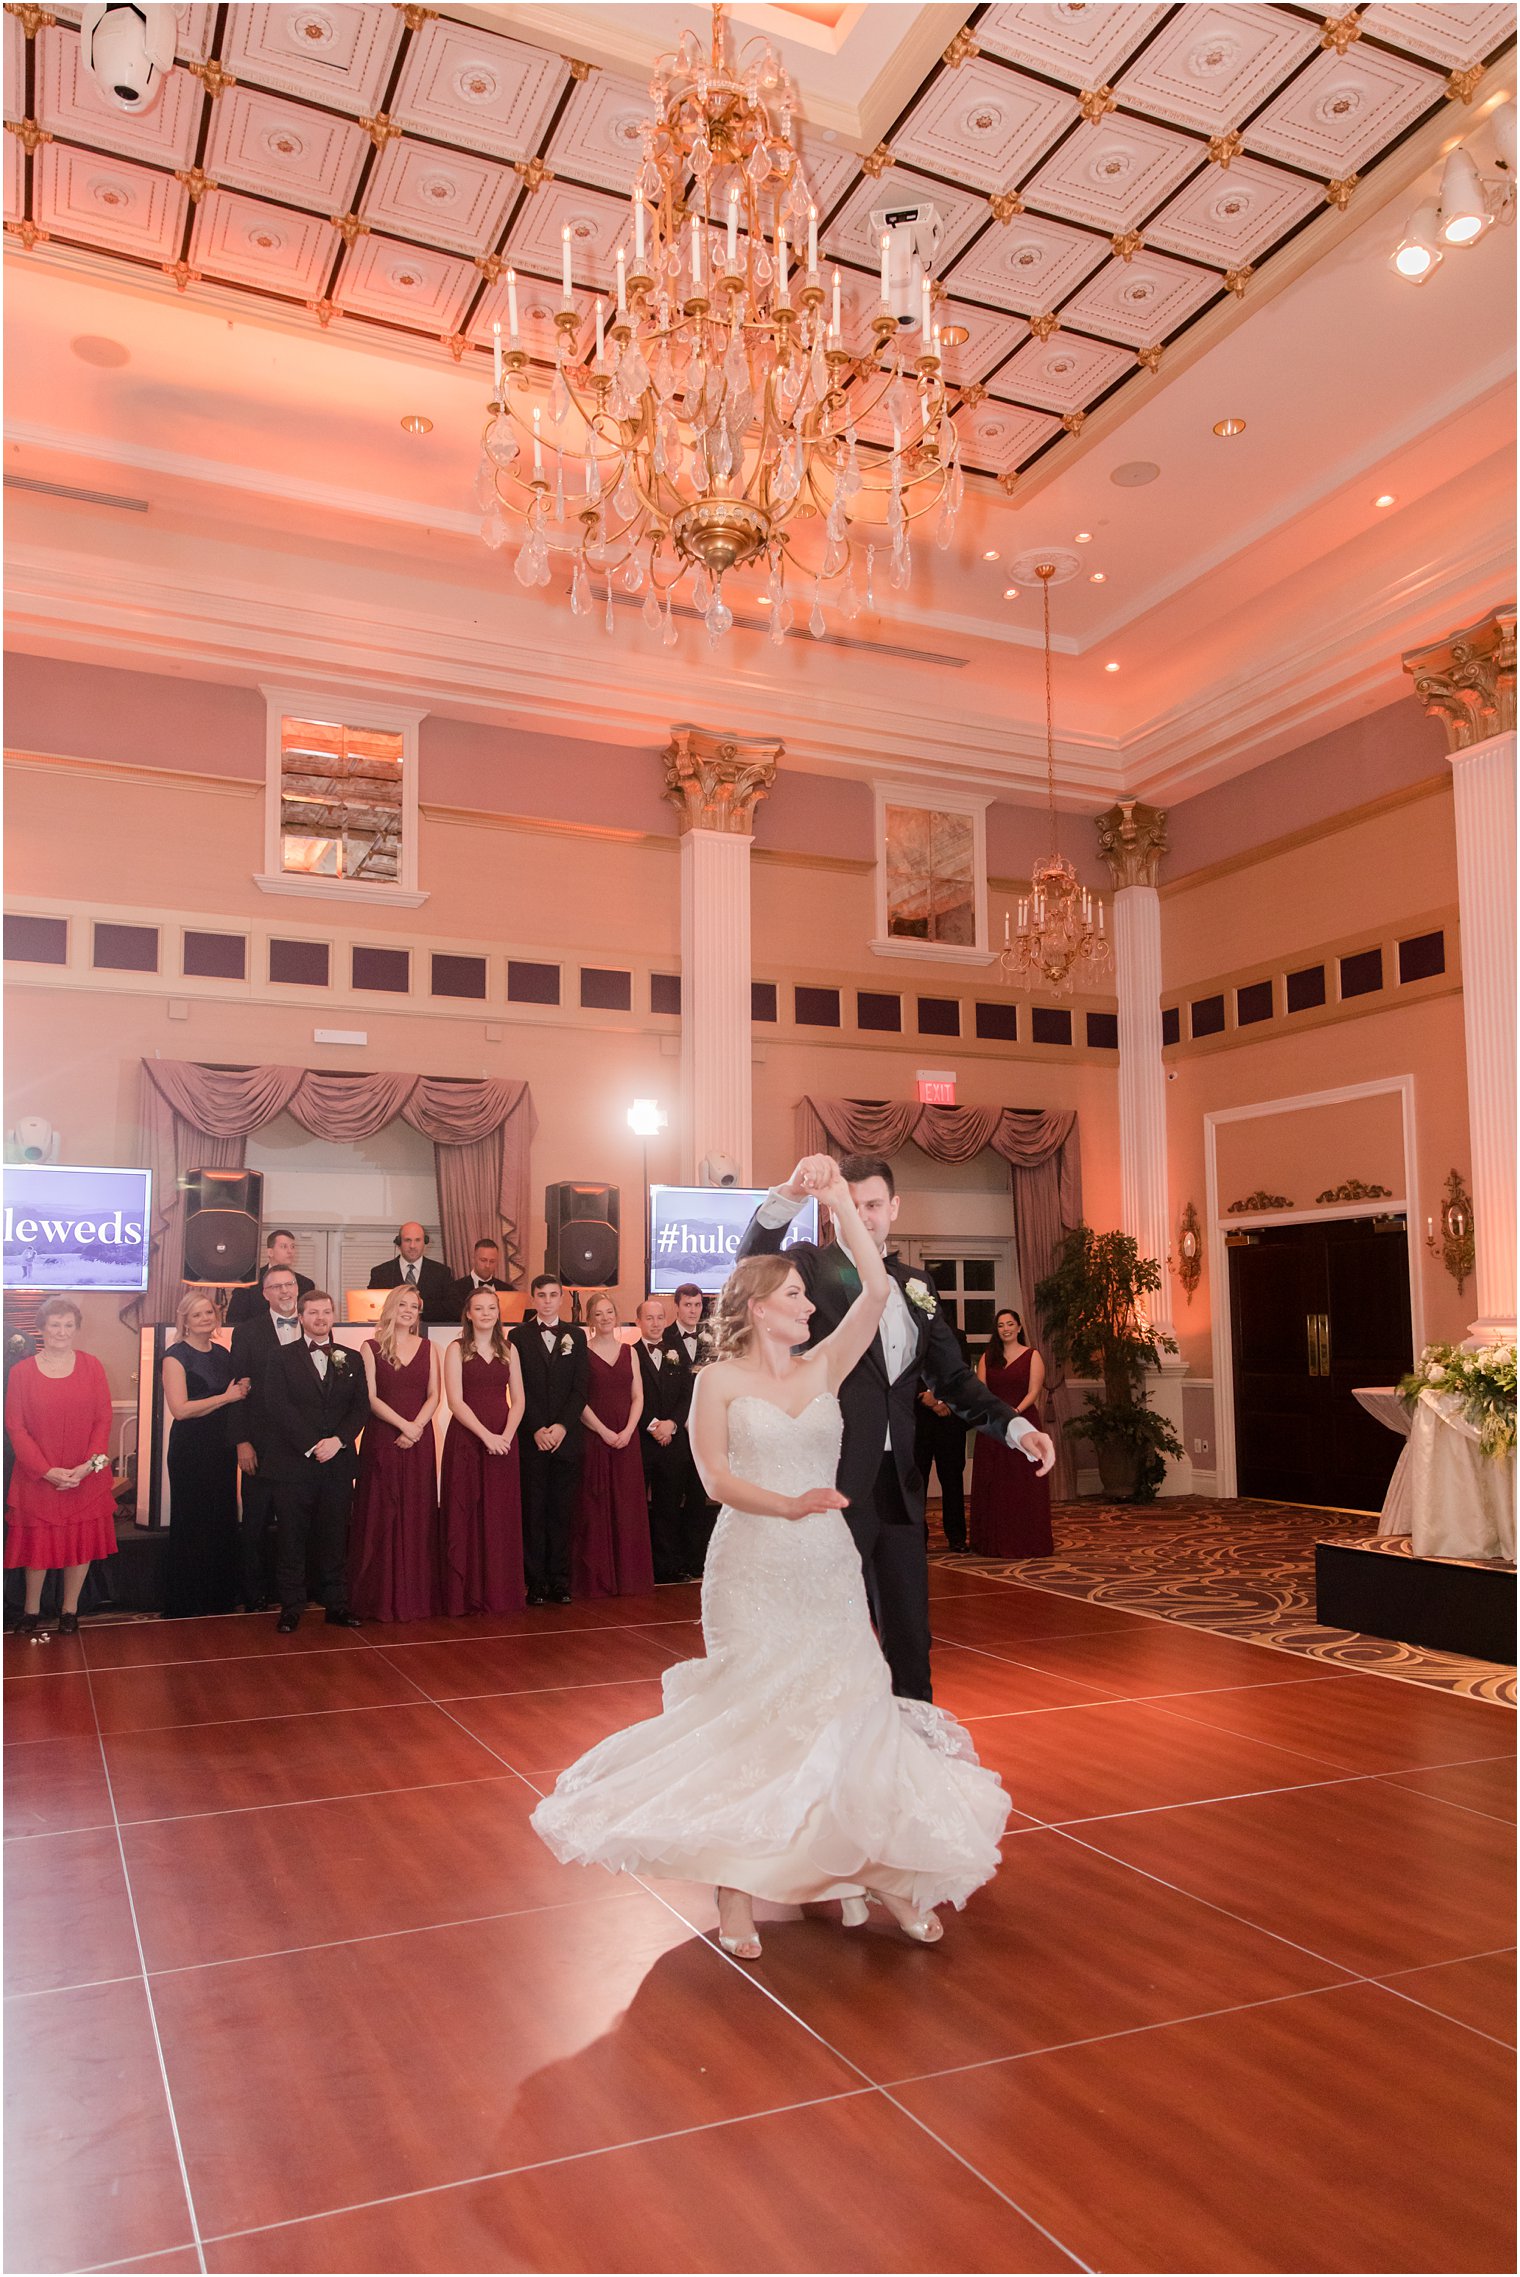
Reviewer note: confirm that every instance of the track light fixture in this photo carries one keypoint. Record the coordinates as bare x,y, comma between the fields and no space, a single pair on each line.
1468,205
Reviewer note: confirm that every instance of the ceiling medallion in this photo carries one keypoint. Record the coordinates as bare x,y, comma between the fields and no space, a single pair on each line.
719,405
1062,930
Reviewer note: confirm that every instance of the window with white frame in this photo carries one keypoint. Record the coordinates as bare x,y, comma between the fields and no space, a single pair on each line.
341,798
931,874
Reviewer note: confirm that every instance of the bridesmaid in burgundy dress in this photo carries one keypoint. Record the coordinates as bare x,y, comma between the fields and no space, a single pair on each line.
393,1537
610,1552
482,1561
1010,1503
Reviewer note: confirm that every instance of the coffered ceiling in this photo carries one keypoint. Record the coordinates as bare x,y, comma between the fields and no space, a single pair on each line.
1107,176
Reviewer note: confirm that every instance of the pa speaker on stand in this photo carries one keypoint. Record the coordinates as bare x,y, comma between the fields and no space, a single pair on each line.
582,1245
222,1214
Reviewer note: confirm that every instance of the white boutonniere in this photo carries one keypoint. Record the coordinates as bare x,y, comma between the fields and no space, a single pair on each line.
566,1345
338,1356
920,1294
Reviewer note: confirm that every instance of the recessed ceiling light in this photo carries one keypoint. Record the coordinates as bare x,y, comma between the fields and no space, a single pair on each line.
1098,577
1387,499
95,348
953,335
1135,474
417,423
1229,427
1010,592
1110,667
991,554
1083,538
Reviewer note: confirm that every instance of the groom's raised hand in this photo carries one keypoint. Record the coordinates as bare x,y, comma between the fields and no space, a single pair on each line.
812,1175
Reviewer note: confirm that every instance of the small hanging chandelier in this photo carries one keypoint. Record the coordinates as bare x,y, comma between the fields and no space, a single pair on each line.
1062,931
718,404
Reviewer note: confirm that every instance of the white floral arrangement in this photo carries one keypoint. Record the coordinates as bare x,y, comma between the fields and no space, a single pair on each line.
1480,1383
919,1293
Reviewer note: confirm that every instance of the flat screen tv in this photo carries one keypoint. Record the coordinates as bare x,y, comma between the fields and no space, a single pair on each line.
70,1228
695,1231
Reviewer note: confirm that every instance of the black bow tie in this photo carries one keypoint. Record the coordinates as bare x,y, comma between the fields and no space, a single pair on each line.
317,1347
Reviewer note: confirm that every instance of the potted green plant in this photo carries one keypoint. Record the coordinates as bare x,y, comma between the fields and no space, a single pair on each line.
1090,1306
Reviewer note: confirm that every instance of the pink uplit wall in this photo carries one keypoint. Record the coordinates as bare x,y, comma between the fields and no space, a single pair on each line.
138,719
1387,751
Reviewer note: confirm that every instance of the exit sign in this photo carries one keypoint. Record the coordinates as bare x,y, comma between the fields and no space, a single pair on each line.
936,1086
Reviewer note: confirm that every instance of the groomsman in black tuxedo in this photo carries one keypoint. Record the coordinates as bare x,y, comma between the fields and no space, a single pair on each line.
257,1343
484,1273
556,1370
279,1249
318,1404
660,1444
686,1345
914,1347
410,1268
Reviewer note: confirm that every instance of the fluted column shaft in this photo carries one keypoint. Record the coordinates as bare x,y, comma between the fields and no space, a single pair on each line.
1483,778
716,1053
1142,1083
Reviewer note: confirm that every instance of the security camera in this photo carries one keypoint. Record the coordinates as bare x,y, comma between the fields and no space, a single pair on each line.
127,50
915,229
33,1140
719,1170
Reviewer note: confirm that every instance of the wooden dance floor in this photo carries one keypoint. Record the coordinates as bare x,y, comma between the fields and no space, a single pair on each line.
293,1986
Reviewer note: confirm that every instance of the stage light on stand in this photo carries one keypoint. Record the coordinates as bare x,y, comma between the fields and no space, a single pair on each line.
647,1118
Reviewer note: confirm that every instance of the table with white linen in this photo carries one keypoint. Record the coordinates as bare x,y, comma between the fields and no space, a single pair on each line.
1446,1494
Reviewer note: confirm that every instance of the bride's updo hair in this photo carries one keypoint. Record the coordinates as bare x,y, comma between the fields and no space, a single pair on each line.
733,1331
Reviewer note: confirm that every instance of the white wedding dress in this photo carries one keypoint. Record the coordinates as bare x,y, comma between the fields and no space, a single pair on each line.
781,1764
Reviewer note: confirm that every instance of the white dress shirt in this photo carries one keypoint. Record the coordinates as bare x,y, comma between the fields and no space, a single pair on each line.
286,1326
896,1334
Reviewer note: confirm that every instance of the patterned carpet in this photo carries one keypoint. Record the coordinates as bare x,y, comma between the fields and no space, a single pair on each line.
1239,1568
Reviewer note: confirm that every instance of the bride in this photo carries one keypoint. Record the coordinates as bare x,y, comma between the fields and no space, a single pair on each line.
781,1766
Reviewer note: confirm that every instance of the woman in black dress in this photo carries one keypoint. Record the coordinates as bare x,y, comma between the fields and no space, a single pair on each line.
201,1571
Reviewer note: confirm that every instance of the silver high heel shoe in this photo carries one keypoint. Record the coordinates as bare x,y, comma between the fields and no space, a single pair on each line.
742,1948
854,1912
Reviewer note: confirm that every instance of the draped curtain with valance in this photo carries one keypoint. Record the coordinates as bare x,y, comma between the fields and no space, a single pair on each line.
1042,1151
197,1117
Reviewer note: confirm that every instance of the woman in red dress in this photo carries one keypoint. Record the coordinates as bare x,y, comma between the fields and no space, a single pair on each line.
481,1562
1010,1503
393,1535
62,1503
610,1551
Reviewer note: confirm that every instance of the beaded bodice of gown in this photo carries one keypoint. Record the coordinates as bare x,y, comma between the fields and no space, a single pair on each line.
785,1454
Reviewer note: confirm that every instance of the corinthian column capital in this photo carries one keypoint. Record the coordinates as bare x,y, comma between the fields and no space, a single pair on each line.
1132,840
715,782
1468,680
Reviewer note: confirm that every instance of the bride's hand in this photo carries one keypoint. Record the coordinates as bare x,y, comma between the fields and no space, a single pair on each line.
817,1498
812,1174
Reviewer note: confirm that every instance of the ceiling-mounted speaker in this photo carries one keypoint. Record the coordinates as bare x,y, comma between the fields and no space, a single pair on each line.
222,1212
582,1245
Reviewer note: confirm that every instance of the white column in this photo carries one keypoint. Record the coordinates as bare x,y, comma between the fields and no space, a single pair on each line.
1468,682
1483,778
1132,840
716,782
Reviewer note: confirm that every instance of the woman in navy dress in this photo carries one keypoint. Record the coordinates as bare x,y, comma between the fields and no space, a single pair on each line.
1010,1502
481,1559
202,1573
393,1535
609,1544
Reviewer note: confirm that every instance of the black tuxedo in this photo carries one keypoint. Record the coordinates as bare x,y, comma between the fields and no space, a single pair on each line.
462,1291
679,1513
939,1444
312,1499
555,1382
256,1347
695,1515
876,1466
435,1286
247,1304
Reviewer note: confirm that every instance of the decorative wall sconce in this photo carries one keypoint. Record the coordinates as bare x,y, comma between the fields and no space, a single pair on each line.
1454,1244
1189,1251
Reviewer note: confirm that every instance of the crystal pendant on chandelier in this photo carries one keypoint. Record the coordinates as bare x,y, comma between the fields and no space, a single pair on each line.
710,407
1062,930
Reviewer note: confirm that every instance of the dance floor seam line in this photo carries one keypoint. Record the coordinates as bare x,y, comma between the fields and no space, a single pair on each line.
296,1802
1293,1787
1167,1707
142,1963
1462,2022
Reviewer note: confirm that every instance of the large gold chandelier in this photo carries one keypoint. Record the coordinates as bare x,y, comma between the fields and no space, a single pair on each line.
719,406
1062,932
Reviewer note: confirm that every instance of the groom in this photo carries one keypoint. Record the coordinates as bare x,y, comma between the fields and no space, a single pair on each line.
915,1348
